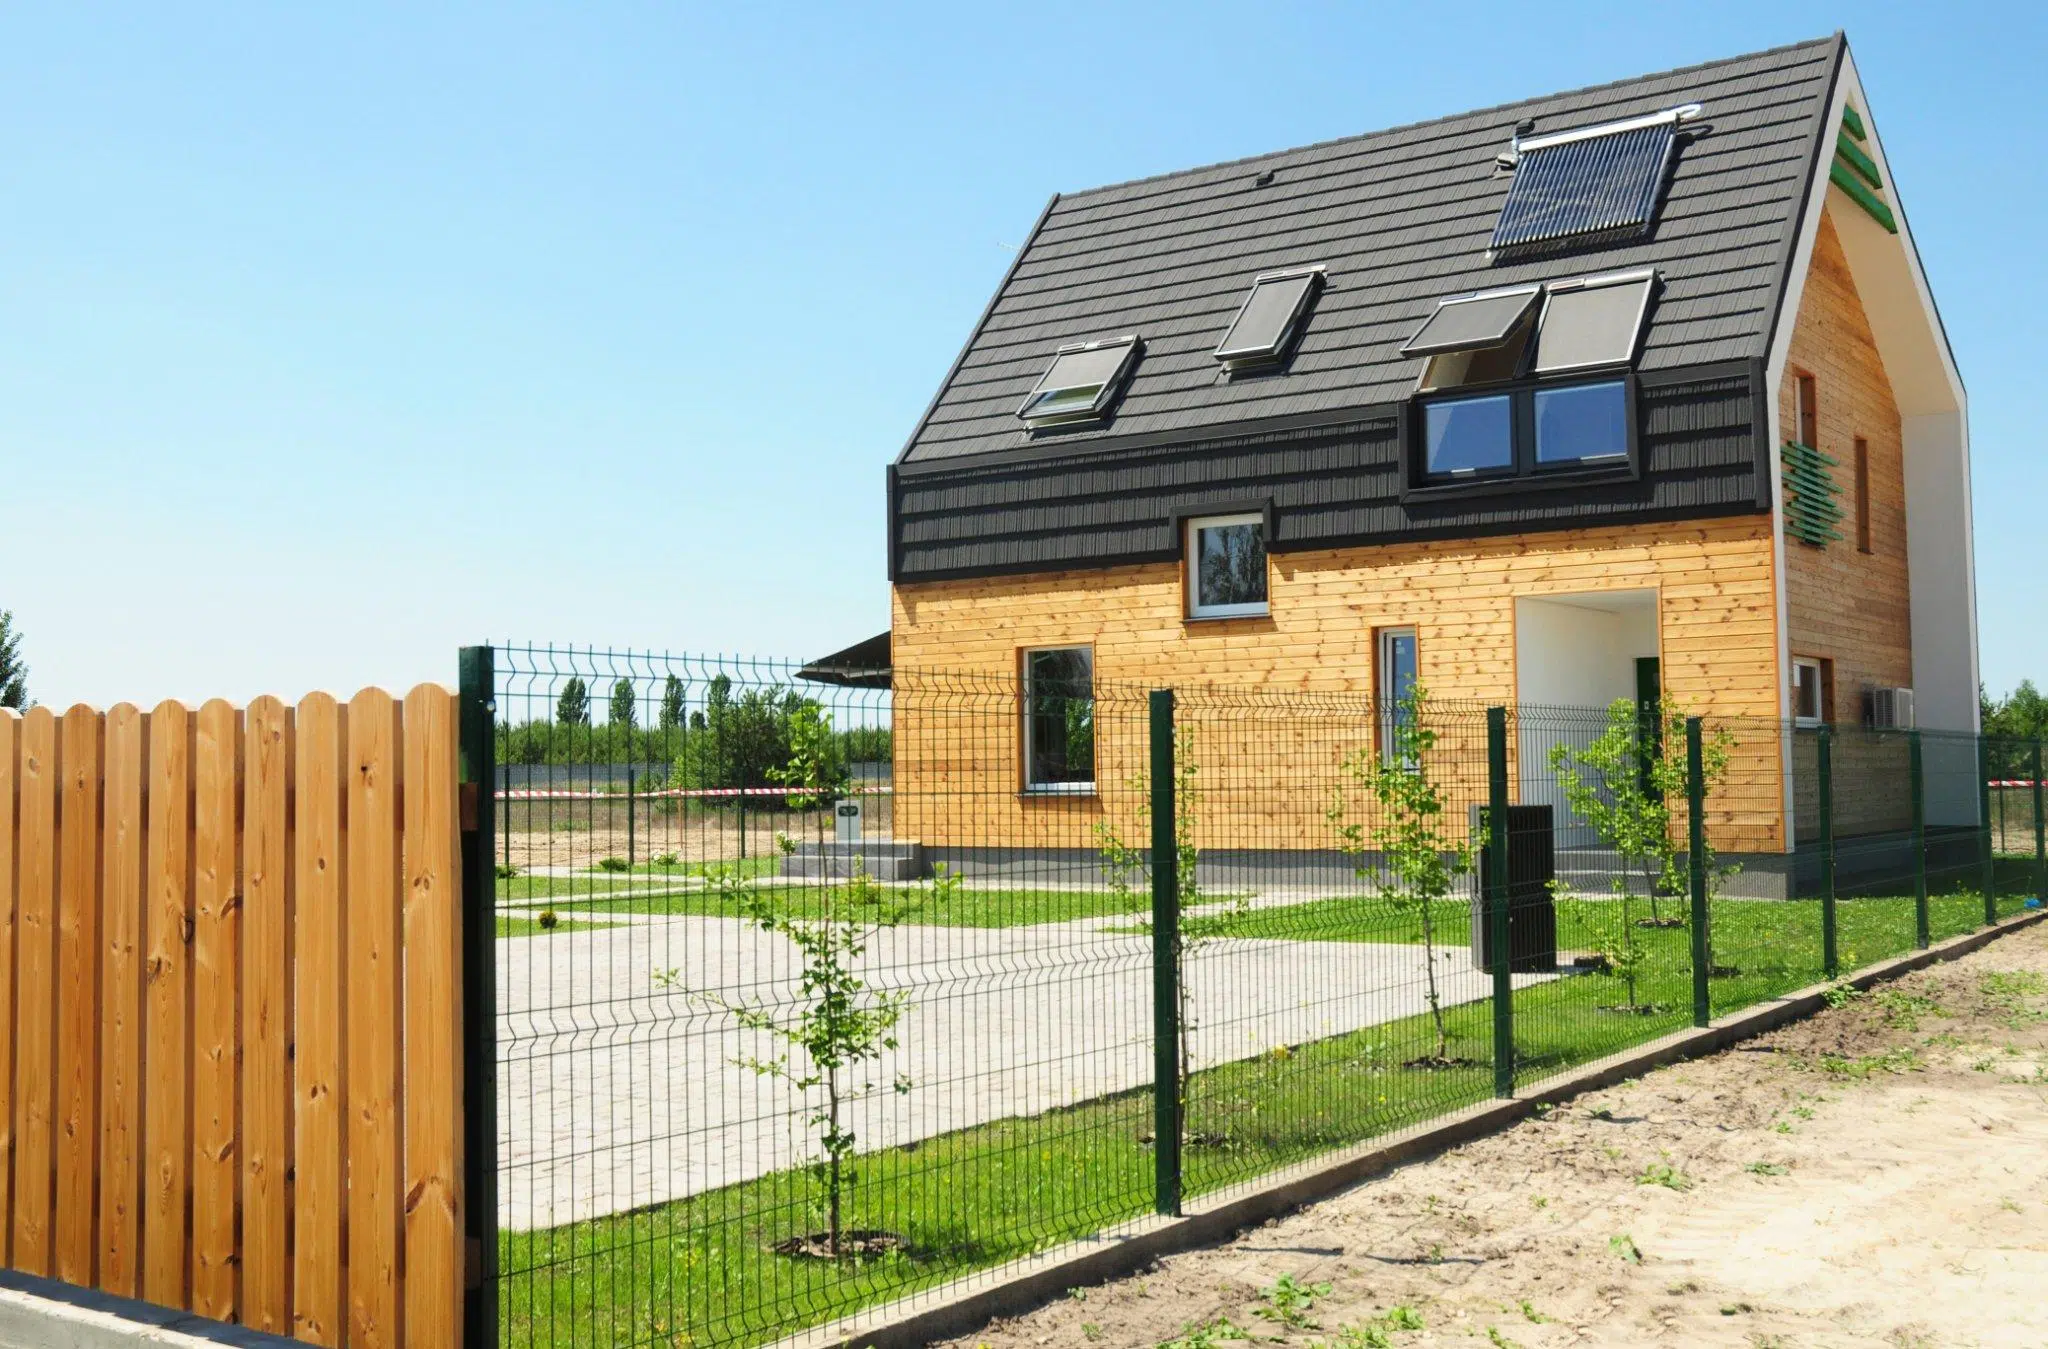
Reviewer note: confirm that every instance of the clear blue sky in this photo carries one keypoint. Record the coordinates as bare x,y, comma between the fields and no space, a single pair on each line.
332,337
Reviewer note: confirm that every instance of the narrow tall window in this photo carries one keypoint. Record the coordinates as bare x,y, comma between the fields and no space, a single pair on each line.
1059,720
1395,682
1809,692
1862,495
1806,408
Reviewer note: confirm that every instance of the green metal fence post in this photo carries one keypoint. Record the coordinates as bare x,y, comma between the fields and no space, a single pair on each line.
1696,865
1167,1106
1922,927
1989,846
2040,832
630,785
1830,956
475,715
1497,901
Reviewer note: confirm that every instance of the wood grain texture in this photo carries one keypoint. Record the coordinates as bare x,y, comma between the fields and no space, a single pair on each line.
36,996
123,899
216,923
266,1086
167,1011
373,954
433,1023
78,999
957,757
10,798
320,986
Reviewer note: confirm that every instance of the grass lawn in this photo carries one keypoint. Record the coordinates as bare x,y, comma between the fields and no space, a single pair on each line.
969,908
510,925
751,868
701,1271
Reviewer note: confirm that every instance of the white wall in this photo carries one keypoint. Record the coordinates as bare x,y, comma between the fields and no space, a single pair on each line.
1574,653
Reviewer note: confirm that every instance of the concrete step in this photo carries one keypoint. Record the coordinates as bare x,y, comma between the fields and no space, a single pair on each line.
882,859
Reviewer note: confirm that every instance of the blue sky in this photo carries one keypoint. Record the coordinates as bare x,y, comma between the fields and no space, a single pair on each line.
333,337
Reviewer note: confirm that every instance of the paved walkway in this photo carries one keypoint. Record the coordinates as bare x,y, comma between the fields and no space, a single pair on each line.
618,1085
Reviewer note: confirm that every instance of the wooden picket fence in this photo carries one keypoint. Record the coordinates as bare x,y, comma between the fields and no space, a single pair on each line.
230,997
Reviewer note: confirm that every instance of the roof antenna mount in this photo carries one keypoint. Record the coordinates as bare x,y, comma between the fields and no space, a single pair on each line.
1505,161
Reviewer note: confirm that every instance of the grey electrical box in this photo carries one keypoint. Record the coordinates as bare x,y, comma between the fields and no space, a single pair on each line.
846,821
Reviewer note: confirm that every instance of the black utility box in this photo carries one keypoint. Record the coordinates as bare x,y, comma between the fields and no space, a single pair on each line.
1532,913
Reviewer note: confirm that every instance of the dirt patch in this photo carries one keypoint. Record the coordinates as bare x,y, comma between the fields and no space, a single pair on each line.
1875,1176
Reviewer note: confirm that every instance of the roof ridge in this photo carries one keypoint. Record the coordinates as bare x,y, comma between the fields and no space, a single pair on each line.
1831,38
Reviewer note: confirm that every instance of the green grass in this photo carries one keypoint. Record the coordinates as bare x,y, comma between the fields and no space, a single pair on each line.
520,926
749,868
968,908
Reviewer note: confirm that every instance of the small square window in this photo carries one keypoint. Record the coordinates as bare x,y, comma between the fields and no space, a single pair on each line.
1059,720
1226,566
1468,436
1809,692
1581,423
1081,383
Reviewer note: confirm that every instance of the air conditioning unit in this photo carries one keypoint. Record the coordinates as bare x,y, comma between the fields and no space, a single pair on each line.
1889,709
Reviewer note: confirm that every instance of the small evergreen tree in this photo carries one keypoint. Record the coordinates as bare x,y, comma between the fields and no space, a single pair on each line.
572,707
13,671
672,704
622,714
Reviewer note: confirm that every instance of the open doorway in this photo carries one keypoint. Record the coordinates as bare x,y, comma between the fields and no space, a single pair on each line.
1575,656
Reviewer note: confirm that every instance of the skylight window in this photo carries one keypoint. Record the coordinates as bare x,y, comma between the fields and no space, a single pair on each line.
1081,383
1599,182
1475,339
1269,320
1592,321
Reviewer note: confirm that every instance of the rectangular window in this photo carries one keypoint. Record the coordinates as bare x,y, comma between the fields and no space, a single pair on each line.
1394,683
1809,692
1592,321
1059,720
1269,320
1862,495
1806,411
1469,435
1081,383
1582,422
1226,566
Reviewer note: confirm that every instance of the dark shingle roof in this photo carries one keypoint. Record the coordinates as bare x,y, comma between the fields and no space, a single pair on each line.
1400,218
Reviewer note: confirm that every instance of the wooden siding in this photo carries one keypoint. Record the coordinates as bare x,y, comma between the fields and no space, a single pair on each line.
177,984
958,775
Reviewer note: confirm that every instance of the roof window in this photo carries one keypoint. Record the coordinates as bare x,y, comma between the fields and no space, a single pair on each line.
1269,320
1594,183
1592,321
1475,339
1082,382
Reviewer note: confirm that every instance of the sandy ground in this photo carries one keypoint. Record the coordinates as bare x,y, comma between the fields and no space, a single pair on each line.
1877,1175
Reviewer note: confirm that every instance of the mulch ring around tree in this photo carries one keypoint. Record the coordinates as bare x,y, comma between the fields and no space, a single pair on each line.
1637,1009
869,1244
1660,922
1433,1063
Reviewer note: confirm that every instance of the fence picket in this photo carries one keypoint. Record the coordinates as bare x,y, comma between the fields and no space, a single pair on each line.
266,1089
122,900
10,787
320,988
166,1054
433,1042
373,952
36,1000
78,1001
216,902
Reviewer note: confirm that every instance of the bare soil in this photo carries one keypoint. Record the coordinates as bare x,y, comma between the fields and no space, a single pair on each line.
1875,1176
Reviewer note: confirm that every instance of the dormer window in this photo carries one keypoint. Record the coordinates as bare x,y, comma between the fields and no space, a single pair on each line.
1592,184
1475,339
1270,319
1081,384
1592,321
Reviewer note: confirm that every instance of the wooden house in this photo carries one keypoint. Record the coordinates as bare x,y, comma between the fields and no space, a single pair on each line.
1636,387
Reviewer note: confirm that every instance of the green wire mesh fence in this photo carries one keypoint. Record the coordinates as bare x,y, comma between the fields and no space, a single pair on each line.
819,989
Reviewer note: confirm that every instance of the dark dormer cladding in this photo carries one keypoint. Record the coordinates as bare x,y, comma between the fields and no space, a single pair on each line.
1592,184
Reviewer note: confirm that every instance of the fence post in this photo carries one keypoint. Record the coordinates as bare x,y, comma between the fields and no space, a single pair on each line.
1497,901
1830,957
1696,865
476,710
1167,1105
1922,929
2040,832
1990,845
630,784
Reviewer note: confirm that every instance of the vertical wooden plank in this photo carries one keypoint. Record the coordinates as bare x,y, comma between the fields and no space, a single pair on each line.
36,1045
319,980
373,1031
216,903
78,998
433,1025
166,1012
266,1013
10,798
123,898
